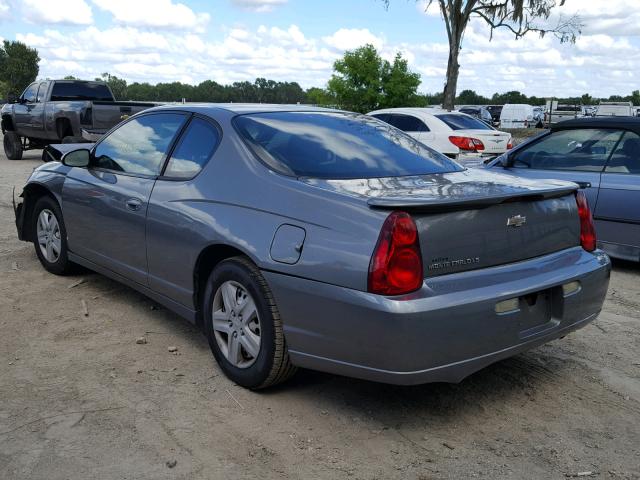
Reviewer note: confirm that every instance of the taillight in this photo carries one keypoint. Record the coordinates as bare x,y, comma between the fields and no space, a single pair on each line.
467,143
587,230
396,264
510,144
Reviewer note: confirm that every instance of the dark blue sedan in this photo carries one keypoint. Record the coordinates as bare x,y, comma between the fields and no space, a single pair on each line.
603,156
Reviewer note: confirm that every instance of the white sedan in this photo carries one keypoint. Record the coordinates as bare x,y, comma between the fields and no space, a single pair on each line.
454,134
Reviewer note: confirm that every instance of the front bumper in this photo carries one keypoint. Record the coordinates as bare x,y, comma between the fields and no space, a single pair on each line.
445,331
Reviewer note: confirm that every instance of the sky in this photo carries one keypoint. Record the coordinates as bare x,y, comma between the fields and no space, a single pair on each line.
298,40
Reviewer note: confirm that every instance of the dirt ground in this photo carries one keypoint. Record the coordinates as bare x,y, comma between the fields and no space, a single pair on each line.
80,399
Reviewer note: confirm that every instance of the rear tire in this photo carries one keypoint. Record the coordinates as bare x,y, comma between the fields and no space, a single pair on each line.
50,237
271,365
12,146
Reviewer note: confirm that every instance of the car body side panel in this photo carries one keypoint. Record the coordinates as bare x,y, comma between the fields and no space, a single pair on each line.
100,225
215,208
617,215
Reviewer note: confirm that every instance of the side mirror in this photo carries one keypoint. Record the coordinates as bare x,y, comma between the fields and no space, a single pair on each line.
77,158
11,98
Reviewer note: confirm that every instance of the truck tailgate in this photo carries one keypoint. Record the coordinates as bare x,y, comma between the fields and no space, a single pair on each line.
108,114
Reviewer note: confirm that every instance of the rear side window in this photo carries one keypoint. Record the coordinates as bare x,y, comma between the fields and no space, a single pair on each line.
140,145
581,149
337,145
463,122
407,123
80,91
194,150
626,158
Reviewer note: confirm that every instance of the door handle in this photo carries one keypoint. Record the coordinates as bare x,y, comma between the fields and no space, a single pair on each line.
133,204
582,184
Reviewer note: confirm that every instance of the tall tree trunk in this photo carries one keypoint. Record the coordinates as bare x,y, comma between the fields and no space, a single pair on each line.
453,68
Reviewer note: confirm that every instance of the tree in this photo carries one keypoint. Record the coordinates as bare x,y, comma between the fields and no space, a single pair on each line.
399,84
635,97
117,85
18,66
363,81
320,97
517,16
470,97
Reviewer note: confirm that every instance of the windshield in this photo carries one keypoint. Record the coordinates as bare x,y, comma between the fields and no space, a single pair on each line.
80,91
463,122
337,146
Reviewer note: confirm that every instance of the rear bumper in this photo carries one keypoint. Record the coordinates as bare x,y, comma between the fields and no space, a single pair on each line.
445,331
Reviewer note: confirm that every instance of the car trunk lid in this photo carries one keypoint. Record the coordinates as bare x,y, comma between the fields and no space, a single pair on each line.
495,142
475,219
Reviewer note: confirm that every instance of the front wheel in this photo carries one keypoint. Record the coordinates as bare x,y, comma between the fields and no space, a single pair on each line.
50,236
12,145
243,325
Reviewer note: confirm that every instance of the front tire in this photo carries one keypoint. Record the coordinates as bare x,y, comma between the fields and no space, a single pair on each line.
12,145
243,325
50,237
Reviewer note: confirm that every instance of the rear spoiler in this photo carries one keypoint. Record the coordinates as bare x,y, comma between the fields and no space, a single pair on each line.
429,205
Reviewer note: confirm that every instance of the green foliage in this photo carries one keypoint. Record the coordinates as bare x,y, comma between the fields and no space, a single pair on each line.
18,66
117,85
470,97
320,97
70,77
363,81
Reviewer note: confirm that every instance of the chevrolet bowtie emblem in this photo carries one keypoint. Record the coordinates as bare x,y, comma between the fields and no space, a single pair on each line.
516,221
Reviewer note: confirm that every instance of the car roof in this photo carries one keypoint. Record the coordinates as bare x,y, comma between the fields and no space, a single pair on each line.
626,123
417,111
241,107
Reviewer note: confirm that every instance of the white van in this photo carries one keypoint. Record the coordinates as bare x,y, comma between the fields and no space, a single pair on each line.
517,115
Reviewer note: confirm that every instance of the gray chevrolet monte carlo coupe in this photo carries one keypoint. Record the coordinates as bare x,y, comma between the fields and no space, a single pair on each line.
304,237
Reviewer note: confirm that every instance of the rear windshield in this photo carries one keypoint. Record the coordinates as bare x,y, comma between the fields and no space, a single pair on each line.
463,122
337,145
80,91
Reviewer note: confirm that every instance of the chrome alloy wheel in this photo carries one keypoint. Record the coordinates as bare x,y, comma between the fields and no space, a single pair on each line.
48,232
236,324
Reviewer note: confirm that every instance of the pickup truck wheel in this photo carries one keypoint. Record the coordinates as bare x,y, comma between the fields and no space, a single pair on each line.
12,146
243,325
50,237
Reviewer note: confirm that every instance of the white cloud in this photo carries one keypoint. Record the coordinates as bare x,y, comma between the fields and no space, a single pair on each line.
154,13
4,10
350,38
259,6
75,12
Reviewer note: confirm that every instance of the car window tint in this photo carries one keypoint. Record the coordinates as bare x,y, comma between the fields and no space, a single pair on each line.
74,90
407,123
626,157
580,149
140,145
462,122
382,116
194,150
30,93
337,145
42,91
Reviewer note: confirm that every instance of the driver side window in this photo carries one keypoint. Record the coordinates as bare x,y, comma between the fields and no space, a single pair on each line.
579,149
30,93
139,146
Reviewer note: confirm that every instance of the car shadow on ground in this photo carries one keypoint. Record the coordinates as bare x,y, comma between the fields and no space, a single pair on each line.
514,379
626,266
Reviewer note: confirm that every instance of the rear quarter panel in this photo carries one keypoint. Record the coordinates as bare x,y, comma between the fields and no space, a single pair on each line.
237,201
